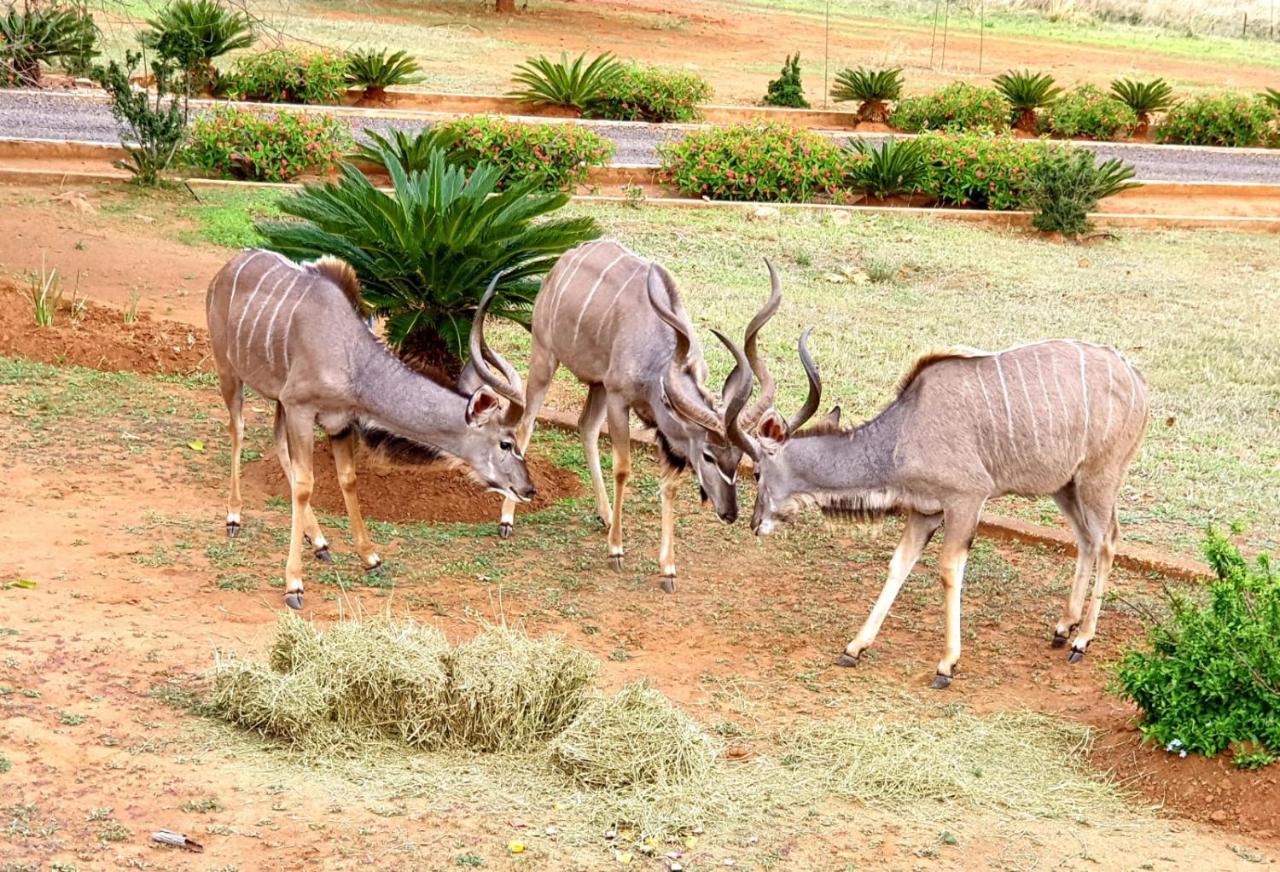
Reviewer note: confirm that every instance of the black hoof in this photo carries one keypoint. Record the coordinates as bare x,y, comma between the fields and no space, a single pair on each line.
376,569
1075,656
668,584
941,682
504,531
233,529
848,661
1059,640
323,555
615,562
294,600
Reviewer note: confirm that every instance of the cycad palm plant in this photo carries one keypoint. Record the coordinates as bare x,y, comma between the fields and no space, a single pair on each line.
192,33
411,151
894,168
375,71
873,89
425,253
1144,98
41,34
1026,92
572,84
1272,98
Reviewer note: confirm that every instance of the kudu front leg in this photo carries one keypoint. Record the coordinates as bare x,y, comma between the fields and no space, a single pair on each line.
300,437
344,459
667,547
233,395
917,530
542,369
961,524
620,439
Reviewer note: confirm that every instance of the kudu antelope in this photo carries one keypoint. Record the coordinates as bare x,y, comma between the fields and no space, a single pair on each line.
292,333
616,322
1056,418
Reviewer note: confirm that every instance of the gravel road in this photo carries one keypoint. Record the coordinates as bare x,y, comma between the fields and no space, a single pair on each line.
52,115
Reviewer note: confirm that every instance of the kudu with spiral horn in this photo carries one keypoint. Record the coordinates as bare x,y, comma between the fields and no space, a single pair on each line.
617,323
1059,418
292,333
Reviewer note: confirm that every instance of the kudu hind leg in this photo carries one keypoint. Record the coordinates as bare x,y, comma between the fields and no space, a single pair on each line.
345,462
310,526
1105,527
1086,558
619,414
542,369
589,424
917,530
233,396
300,437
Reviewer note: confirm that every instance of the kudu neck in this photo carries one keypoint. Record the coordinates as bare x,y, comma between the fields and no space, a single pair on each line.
406,403
864,458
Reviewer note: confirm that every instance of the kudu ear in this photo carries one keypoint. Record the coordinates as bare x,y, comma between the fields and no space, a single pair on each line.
772,432
484,404
833,417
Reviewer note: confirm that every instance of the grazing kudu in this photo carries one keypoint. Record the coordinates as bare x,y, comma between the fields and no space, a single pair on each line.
1058,418
291,332
616,322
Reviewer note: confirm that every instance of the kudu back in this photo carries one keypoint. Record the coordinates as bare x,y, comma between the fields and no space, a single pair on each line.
1059,418
616,321
292,333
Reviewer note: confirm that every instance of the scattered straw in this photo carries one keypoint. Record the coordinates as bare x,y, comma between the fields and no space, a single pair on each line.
635,737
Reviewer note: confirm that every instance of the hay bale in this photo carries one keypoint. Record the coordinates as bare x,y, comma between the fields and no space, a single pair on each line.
509,692
637,737
297,643
285,707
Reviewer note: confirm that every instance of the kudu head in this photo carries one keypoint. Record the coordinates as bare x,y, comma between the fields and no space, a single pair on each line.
779,489
489,443
691,425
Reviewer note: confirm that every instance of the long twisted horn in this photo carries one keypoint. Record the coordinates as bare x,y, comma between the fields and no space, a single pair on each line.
768,390
482,355
737,390
812,401
686,406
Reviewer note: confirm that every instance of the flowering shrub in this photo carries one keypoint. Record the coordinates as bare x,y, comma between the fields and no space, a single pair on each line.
957,107
981,171
560,152
285,75
1226,119
756,161
266,147
648,93
1087,111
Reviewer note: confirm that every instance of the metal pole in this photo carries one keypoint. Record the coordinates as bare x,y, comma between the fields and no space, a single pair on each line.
934,39
946,17
826,58
982,29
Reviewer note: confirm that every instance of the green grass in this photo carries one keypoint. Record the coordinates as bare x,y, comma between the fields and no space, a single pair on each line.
226,217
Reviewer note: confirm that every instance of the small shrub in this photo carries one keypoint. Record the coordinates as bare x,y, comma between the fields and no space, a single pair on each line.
1209,676
873,89
1026,92
891,169
560,153
573,84
648,93
265,147
957,107
409,151
34,35
1067,186
787,90
154,130
192,33
986,172
1144,98
45,290
1272,98
1086,111
284,75
1225,119
377,71
768,161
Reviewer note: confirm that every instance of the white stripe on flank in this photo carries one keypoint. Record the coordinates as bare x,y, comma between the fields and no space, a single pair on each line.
1035,424
1133,386
284,340
991,415
1106,433
591,293
1044,389
253,328
1004,390
271,325
1084,396
235,280
586,252
271,358
244,310
604,319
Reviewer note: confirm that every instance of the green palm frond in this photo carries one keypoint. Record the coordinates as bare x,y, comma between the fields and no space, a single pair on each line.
1272,98
1026,92
1143,97
377,70
575,84
412,151
871,88
894,168
43,34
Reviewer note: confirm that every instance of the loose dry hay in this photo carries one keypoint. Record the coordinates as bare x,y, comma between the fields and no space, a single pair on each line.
635,737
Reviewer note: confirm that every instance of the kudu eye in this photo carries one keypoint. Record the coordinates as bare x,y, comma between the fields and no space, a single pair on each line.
506,445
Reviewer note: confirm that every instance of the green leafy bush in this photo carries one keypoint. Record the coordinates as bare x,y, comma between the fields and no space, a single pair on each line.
957,107
1209,677
267,147
411,151
873,89
573,84
1225,119
284,75
760,160
375,71
154,130
787,90
986,172
43,34
1272,98
1086,111
192,33
895,168
648,93
1026,92
1144,98
560,153
425,253
1067,186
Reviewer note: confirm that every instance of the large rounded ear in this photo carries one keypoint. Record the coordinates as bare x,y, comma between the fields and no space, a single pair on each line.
482,406
772,432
